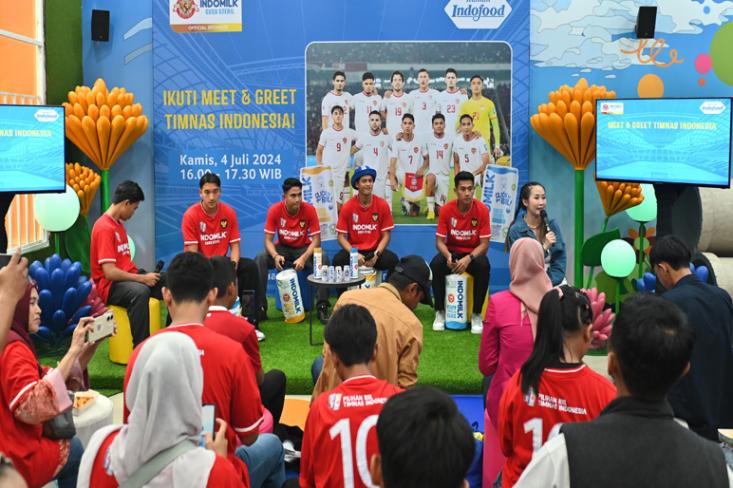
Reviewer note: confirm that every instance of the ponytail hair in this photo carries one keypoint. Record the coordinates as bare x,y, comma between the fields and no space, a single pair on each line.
524,194
563,312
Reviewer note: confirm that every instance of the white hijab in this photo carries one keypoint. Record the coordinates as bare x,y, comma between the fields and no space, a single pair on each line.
164,399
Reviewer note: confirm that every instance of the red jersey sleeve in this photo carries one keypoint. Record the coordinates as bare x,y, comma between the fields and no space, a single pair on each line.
307,476
246,407
189,229
223,475
314,225
271,221
484,230
233,227
252,348
442,230
105,245
19,373
342,226
386,216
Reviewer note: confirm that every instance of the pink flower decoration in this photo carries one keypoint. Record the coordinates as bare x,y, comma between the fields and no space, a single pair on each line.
602,318
93,300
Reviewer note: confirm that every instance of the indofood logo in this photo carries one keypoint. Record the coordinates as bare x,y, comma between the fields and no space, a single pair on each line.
478,14
459,300
46,115
712,107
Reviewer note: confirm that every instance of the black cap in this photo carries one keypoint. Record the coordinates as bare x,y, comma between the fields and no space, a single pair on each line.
416,269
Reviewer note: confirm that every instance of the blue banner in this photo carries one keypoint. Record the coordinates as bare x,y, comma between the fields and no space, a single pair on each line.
238,88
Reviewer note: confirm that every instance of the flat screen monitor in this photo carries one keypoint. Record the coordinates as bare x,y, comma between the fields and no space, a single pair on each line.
32,149
670,140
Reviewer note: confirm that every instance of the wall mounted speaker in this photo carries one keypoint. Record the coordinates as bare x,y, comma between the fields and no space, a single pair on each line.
646,19
100,25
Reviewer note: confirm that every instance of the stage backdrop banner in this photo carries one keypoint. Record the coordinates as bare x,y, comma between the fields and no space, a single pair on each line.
240,88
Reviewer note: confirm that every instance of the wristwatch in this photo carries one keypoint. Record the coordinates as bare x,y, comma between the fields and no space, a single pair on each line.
471,256
376,254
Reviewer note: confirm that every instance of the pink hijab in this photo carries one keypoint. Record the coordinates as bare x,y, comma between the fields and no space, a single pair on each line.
529,278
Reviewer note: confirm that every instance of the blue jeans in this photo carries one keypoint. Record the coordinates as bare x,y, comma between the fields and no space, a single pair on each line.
67,476
265,461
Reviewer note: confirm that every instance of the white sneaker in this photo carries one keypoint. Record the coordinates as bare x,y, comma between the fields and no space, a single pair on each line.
260,335
439,322
477,325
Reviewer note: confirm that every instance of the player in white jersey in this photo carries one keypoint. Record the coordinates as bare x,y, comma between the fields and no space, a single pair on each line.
470,152
424,102
451,99
408,159
333,98
334,150
364,104
396,105
374,147
439,146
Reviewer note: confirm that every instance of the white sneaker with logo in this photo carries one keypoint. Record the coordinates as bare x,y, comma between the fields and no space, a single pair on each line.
260,335
439,322
477,325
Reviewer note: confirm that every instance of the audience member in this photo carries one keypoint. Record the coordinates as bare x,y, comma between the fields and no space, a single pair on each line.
508,336
554,386
636,440
164,399
535,224
462,240
116,278
210,227
298,231
13,281
703,397
229,381
9,476
424,442
31,395
399,331
219,319
340,422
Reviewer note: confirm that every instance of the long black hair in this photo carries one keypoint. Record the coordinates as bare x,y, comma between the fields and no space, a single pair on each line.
562,313
524,193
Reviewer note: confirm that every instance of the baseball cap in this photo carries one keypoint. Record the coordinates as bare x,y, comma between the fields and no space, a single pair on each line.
416,269
360,172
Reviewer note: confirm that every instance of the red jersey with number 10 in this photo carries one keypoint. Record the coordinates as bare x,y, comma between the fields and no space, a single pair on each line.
463,231
363,226
211,233
340,437
574,394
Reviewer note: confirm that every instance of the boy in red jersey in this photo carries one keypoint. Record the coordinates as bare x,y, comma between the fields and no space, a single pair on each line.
365,222
219,319
116,278
339,438
462,239
210,227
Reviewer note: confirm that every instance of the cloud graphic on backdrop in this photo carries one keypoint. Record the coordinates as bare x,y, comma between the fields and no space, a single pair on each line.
582,33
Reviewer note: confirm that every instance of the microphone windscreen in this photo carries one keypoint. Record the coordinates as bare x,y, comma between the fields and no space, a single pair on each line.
543,214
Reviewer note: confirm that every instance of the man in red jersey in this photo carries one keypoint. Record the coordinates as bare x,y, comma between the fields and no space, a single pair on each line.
229,380
340,424
210,227
298,231
462,239
116,278
219,319
365,223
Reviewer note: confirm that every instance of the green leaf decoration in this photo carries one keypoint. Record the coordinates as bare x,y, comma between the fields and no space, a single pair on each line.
78,241
591,252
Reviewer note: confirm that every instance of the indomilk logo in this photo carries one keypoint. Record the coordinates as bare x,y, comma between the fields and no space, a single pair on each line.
459,300
294,292
478,14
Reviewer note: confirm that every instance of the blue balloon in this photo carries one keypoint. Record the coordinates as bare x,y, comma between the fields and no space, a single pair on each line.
82,312
45,301
82,292
43,278
66,264
57,287
44,333
69,330
47,264
68,303
72,275
33,268
702,273
650,281
54,262
58,322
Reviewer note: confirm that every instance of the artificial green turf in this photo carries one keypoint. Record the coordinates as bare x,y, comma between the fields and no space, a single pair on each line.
449,359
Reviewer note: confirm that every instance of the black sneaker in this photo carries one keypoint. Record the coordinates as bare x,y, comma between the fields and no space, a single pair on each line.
322,312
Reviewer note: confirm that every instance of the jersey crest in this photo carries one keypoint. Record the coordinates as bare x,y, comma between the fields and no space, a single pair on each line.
223,223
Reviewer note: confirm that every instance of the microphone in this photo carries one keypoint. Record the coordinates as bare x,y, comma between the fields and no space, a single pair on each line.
543,217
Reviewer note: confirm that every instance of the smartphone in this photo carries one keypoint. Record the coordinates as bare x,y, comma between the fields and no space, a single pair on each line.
208,416
104,326
5,259
159,266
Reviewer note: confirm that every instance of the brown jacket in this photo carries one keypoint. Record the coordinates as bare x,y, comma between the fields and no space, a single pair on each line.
399,338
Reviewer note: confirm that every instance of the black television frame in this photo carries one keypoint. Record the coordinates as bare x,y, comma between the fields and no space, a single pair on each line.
63,123
658,182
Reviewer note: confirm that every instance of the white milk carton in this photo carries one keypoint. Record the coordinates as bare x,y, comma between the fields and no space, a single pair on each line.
456,301
290,296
